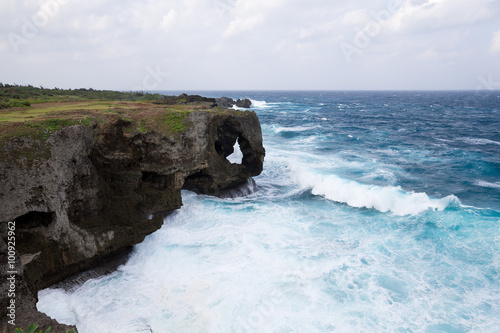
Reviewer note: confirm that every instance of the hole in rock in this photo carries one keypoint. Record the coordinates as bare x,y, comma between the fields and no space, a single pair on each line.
237,155
199,182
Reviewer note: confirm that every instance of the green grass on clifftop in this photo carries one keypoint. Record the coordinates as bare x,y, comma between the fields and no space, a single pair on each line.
51,110
24,96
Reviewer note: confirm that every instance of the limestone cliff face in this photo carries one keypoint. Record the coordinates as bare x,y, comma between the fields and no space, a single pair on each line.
102,189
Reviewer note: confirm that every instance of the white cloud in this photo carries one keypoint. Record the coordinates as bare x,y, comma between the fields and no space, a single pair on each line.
356,17
495,43
238,26
169,20
431,15
249,15
98,23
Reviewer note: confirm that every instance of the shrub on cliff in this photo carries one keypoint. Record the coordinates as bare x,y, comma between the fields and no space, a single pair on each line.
18,103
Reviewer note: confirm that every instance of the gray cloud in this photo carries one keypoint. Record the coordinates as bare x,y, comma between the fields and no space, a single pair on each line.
250,44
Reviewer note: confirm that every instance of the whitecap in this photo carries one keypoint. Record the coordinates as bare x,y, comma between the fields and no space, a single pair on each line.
382,198
483,183
279,129
479,141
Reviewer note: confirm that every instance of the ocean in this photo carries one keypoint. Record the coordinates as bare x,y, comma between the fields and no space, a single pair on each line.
375,212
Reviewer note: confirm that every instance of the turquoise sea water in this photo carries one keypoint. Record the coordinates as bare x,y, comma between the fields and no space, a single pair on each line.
376,212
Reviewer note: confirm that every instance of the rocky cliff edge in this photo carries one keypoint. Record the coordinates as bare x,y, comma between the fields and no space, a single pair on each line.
82,192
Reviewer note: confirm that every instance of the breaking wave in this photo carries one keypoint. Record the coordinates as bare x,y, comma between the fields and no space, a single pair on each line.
382,198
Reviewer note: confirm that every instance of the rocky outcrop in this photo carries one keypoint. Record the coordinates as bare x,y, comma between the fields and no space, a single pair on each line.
101,189
224,102
243,103
186,99
227,102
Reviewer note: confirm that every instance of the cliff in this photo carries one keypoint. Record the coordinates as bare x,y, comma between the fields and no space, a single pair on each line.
86,185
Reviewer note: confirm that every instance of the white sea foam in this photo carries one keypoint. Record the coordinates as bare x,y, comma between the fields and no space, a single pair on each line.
237,155
483,183
264,104
241,266
210,269
479,141
279,129
384,199
380,173
259,104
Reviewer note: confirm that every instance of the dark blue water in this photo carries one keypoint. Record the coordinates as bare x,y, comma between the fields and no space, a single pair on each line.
441,142
376,212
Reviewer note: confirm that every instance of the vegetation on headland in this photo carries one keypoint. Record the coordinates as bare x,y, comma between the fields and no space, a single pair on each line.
45,111
24,96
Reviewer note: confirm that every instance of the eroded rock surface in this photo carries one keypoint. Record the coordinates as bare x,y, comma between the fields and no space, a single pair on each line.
103,189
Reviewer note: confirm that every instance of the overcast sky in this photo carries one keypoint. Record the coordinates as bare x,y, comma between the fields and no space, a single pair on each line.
251,44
